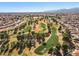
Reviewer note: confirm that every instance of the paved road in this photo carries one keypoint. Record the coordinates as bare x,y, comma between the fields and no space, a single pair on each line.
11,26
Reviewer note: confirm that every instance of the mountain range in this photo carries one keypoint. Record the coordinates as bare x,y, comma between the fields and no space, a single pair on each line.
65,10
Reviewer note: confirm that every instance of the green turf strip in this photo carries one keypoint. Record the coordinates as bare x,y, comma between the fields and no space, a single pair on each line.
52,41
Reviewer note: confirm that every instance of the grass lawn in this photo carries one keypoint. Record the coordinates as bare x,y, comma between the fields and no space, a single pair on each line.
52,41
26,29
43,27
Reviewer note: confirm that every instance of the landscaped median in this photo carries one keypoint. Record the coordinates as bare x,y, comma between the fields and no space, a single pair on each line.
52,41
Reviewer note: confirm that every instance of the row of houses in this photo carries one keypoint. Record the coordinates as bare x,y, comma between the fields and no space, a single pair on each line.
71,22
9,21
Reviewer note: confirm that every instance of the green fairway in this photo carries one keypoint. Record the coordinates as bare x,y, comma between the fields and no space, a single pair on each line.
52,41
27,29
42,27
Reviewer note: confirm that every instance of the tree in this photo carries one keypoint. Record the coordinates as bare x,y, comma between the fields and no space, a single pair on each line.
67,35
4,35
56,51
50,51
49,29
15,30
44,44
65,49
60,28
58,47
40,37
21,37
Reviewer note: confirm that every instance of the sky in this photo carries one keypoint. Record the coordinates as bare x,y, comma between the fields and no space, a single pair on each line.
35,6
